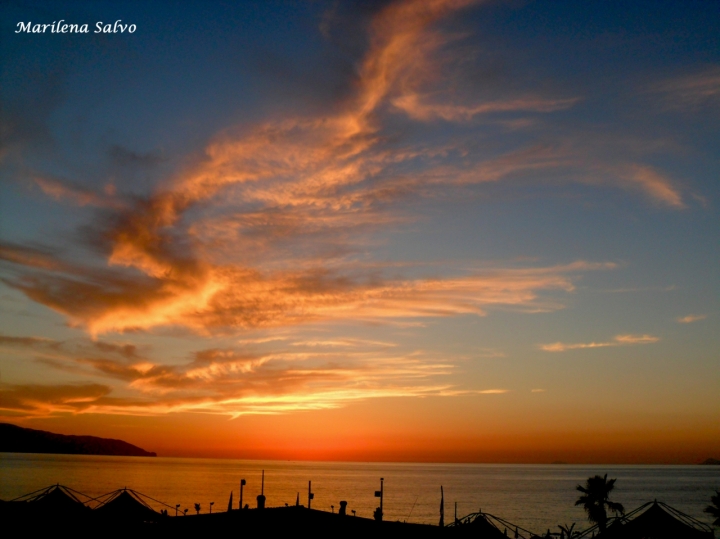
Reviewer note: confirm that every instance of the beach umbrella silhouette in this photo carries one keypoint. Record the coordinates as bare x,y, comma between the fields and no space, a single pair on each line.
125,505
661,520
56,501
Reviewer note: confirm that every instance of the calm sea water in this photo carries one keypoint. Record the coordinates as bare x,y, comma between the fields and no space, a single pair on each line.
536,497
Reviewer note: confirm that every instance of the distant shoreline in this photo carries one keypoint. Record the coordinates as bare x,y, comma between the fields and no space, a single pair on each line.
14,439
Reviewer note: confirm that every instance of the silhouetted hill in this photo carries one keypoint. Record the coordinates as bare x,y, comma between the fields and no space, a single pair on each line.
711,461
14,439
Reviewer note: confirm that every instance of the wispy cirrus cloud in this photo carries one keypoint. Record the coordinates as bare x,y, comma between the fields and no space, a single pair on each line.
690,318
325,343
61,189
226,381
618,340
419,108
35,399
7,340
267,228
225,297
691,91
321,179
657,186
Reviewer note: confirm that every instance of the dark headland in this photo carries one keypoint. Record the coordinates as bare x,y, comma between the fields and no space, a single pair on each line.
14,439
711,461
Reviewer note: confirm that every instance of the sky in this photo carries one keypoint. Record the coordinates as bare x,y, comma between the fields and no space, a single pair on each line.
415,230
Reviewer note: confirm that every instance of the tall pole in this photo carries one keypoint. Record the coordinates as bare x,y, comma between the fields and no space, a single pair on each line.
310,496
261,498
242,484
442,507
381,495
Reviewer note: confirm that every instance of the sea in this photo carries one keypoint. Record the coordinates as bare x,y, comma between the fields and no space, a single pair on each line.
535,497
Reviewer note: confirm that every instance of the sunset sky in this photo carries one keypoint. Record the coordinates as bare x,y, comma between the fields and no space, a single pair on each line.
441,230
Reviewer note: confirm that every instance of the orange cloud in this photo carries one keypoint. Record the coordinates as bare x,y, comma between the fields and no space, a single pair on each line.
231,297
63,189
416,108
689,319
260,232
691,91
618,340
32,399
657,186
225,381
30,257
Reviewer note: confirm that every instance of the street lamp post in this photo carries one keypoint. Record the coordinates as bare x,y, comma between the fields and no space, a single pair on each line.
379,494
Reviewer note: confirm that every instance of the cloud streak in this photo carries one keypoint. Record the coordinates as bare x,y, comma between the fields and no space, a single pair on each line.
618,340
660,188
39,400
226,381
690,318
694,91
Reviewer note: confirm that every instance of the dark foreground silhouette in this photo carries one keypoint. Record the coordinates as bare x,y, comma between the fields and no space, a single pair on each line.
14,439
61,511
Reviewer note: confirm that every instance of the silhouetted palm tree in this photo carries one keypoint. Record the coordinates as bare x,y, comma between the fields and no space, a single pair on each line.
714,509
595,500
197,508
567,531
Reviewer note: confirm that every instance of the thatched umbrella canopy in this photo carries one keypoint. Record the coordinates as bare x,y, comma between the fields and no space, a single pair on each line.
656,520
486,526
482,528
58,501
125,505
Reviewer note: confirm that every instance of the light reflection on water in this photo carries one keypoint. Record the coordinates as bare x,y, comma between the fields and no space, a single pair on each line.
536,497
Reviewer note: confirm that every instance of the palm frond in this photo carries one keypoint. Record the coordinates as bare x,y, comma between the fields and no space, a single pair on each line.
582,500
616,507
714,511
